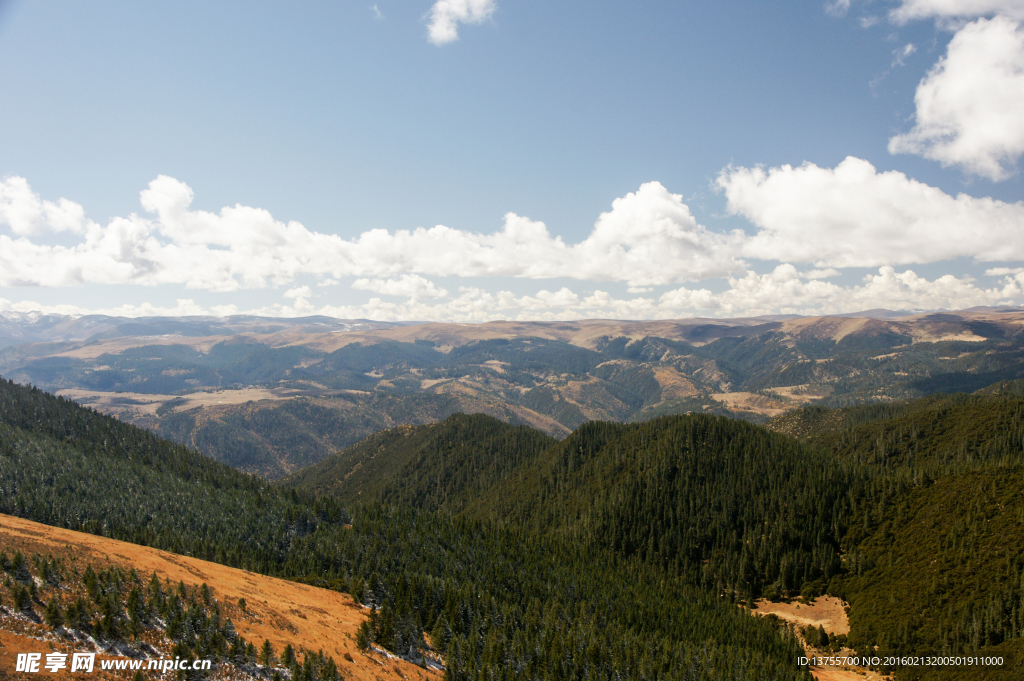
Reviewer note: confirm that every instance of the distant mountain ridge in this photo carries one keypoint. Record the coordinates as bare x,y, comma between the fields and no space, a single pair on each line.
17,328
272,396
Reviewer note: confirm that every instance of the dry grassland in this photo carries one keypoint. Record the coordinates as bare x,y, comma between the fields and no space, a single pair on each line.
277,610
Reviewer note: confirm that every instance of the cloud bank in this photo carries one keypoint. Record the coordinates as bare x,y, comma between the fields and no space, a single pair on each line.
648,238
781,291
822,218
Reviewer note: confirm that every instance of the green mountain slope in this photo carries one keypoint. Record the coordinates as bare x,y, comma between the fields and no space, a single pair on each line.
944,570
935,550
913,511
442,466
273,439
719,501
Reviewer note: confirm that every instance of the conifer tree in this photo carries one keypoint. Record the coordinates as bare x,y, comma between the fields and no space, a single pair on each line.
267,654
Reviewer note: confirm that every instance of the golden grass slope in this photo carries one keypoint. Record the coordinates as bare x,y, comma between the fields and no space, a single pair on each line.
277,610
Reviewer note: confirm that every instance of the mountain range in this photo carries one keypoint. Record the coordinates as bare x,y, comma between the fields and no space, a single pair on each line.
272,396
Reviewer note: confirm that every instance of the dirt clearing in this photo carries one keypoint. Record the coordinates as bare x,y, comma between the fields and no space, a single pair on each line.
825,611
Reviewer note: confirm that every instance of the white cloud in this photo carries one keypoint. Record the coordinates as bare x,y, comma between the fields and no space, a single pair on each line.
851,215
855,216
377,14
298,292
898,56
446,15
27,214
407,286
955,9
970,106
562,298
1003,271
648,238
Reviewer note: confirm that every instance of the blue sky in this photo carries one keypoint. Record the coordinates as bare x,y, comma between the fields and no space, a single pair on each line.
349,117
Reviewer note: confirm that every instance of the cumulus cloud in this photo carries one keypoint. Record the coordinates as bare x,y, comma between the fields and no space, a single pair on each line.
411,286
855,216
649,237
970,106
955,9
848,216
446,15
26,213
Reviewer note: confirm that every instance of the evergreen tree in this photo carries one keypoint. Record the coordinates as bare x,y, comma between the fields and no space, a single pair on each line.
267,654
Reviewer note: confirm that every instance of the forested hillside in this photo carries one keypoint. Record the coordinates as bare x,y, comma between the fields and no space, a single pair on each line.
501,603
723,503
273,440
914,511
935,550
441,466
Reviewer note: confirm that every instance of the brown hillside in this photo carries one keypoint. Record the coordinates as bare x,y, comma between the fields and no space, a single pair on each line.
278,610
